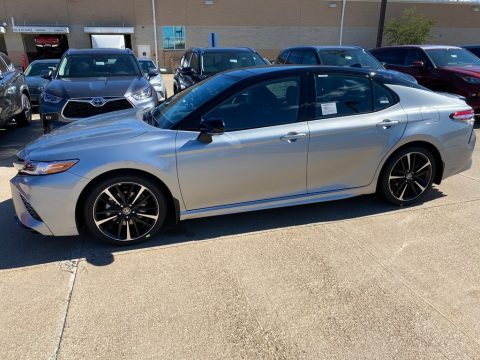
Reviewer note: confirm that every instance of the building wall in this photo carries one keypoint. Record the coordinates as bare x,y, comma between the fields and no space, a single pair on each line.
266,25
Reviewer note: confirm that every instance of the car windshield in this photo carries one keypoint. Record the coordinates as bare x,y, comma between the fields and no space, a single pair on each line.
35,69
213,63
98,65
452,57
147,65
353,58
183,104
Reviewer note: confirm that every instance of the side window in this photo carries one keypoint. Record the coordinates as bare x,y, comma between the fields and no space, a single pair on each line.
391,56
186,59
3,67
267,104
310,58
295,57
339,95
383,98
282,57
194,62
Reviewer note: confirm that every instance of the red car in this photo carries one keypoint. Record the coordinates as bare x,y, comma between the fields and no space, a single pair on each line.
440,68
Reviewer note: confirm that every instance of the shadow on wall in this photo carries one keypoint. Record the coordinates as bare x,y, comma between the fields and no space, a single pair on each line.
19,247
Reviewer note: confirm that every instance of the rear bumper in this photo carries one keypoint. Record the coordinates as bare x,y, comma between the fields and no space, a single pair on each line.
458,158
47,204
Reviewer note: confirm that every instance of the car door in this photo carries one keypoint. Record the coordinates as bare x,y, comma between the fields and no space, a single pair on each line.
351,131
262,154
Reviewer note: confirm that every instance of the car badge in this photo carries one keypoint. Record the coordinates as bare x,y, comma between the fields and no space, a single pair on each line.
98,101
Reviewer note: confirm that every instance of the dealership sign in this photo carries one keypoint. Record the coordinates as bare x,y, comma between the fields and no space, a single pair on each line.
41,29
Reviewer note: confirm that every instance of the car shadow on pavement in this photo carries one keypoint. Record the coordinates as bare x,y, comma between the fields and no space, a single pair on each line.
19,247
14,138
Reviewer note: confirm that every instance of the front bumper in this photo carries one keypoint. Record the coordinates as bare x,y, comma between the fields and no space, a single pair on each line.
46,204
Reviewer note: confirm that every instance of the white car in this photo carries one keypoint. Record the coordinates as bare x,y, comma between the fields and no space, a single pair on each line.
155,77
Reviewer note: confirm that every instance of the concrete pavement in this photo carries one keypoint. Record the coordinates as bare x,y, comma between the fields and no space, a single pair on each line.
350,279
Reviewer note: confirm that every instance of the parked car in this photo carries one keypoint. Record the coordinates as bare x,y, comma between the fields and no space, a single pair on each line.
200,63
34,79
93,82
346,56
240,141
440,68
14,94
155,77
474,49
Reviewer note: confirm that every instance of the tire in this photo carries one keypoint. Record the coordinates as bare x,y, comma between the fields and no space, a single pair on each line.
25,117
407,176
136,212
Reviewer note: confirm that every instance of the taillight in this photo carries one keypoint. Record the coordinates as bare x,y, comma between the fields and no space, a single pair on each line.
464,115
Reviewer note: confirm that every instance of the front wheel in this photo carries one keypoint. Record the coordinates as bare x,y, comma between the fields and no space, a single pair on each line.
408,176
124,210
25,117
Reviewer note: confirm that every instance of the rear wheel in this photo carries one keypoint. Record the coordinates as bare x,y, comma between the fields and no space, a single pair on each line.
408,176
25,117
125,210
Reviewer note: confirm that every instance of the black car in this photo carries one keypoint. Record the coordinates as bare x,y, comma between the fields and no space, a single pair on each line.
200,63
14,94
92,82
34,79
344,56
474,49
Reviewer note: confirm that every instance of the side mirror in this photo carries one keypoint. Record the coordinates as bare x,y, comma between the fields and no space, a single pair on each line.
211,127
187,71
163,71
46,74
418,64
152,72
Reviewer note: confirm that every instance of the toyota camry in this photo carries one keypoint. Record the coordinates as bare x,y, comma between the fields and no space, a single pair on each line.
243,140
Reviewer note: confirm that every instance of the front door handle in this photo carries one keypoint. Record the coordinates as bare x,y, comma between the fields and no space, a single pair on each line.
293,136
387,124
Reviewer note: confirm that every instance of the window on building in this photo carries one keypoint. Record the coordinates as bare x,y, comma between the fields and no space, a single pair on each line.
173,37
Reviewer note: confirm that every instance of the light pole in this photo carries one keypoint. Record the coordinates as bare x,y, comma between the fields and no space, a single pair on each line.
381,22
154,14
341,22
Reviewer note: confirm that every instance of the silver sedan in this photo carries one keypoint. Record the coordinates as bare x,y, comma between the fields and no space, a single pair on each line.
244,140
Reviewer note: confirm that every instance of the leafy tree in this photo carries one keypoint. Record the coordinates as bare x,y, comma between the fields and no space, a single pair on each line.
411,28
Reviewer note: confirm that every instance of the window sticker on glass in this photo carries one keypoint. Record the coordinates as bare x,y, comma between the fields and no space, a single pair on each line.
348,57
454,56
234,61
329,108
384,100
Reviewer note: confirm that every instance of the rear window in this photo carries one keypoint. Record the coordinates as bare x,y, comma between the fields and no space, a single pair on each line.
213,63
352,58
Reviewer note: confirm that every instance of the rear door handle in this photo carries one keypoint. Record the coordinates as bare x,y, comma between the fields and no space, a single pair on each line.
293,136
387,124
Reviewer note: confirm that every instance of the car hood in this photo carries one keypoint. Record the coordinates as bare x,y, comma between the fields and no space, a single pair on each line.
91,87
94,132
36,82
464,70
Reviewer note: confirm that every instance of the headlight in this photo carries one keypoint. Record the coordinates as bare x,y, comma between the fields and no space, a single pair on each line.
46,167
49,98
470,79
143,94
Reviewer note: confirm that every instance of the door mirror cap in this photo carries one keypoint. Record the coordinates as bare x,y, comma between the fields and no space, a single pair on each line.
418,64
187,71
152,72
210,127
46,74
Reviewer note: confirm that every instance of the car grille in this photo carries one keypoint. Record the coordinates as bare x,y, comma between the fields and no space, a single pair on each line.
82,109
30,209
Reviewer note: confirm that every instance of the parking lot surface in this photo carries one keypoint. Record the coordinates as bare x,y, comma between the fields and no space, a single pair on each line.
351,279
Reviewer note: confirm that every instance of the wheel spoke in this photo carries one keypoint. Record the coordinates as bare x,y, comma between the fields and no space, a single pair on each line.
423,167
408,162
120,193
100,222
154,217
106,191
142,189
403,192
393,177
128,230
420,186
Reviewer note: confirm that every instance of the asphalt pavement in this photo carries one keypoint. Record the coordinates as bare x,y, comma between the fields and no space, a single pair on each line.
352,279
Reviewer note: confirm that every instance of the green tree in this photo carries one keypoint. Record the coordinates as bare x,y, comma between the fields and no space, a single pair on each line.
411,28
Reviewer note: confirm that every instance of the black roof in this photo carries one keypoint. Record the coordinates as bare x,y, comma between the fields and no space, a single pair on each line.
97,51
323,47
214,50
